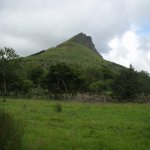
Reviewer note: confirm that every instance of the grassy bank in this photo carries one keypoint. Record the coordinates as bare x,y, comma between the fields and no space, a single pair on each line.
82,126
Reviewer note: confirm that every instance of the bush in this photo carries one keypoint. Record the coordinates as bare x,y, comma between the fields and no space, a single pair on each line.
58,107
126,85
11,132
4,100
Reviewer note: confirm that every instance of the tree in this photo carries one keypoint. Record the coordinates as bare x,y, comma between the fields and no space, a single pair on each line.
126,84
35,75
144,80
63,78
9,65
99,87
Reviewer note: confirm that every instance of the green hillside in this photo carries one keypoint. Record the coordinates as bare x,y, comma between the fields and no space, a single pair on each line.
74,66
77,50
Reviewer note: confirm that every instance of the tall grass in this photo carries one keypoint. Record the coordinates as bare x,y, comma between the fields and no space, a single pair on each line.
58,107
11,132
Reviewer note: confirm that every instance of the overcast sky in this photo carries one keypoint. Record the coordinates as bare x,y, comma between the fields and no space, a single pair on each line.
120,28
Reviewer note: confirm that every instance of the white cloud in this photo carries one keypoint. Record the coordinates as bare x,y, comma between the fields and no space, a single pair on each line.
127,50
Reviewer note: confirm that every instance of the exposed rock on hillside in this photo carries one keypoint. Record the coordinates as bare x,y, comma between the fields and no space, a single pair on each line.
85,40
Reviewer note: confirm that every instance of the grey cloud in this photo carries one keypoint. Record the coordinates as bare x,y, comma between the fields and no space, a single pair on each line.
32,25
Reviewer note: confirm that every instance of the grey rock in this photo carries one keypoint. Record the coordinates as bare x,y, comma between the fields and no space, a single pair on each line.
85,40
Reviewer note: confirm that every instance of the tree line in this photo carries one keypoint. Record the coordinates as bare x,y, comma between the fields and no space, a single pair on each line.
62,78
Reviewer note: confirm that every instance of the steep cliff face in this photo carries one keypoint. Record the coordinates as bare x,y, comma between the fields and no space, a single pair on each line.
82,38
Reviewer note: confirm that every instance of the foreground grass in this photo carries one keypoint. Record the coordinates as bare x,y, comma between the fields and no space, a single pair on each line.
82,126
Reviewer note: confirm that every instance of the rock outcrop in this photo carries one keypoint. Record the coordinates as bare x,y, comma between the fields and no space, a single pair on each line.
85,40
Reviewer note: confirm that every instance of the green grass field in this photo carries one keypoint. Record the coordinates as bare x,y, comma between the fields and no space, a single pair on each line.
82,126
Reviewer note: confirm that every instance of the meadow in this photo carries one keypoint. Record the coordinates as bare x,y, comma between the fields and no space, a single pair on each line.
82,126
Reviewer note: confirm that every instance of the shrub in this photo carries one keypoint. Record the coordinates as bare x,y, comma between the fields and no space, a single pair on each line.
58,107
4,100
11,132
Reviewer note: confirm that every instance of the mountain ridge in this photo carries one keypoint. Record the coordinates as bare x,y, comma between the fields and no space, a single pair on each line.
82,38
79,50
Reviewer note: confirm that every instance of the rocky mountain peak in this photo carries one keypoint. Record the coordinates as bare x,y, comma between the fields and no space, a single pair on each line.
85,40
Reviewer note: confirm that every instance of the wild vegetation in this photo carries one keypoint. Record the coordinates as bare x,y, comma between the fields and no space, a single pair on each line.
81,125
19,77
11,132
62,73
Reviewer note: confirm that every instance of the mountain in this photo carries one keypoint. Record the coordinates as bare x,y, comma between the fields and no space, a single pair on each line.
85,40
77,50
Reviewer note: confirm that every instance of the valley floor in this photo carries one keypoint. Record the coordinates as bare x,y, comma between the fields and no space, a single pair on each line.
82,126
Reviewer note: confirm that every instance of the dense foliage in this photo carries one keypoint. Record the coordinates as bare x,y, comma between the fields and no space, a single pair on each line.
64,78
130,84
126,84
9,70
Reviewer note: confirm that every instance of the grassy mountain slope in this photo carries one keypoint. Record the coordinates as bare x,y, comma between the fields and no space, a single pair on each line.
77,50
